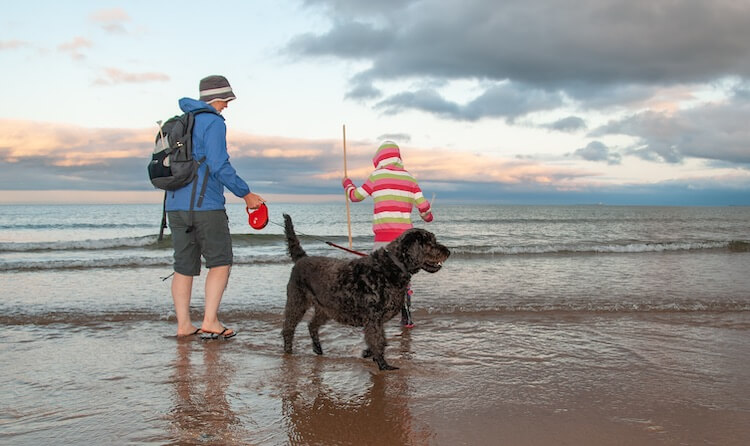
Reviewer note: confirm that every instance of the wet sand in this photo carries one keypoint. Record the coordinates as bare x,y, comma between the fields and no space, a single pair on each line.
484,379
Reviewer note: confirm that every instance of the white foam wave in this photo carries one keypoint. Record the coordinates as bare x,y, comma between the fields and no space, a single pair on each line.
598,249
114,243
122,262
620,307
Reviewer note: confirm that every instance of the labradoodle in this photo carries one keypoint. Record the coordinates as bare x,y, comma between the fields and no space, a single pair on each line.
365,292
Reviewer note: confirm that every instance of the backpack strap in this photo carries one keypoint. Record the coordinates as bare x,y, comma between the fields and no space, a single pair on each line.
163,217
203,187
190,226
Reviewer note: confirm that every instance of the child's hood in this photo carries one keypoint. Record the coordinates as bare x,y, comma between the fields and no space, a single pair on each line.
388,153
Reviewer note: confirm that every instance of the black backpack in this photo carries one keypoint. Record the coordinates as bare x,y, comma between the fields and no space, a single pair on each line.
172,165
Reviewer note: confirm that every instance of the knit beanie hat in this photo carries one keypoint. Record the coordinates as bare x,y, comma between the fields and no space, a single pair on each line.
387,153
215,88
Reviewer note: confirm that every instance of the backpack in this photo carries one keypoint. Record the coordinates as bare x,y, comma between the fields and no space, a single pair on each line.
172,165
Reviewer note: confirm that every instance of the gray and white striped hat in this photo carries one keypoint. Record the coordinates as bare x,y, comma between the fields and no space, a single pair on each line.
216,88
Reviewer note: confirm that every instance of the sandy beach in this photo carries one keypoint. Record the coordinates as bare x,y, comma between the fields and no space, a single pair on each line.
482,380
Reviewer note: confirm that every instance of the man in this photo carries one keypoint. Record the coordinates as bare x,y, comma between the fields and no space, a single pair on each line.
207,234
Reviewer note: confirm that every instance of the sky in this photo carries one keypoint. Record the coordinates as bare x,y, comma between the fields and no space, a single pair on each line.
515,102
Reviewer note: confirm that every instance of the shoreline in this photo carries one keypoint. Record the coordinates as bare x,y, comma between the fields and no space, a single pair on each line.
587,380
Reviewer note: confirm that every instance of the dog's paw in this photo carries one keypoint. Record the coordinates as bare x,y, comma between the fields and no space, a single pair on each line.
388,367
382,365
317,348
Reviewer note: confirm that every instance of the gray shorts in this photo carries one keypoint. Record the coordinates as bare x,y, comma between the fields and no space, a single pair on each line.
210,238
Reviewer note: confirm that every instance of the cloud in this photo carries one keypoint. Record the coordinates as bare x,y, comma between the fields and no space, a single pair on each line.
713,131
113,76
569,124
504,100
398,138
74,46
43,155
51,144
597,151
12,44
363,90
111,20
598,52
543,42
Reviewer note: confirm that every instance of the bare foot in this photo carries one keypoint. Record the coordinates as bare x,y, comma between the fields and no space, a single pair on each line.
215,327
193,331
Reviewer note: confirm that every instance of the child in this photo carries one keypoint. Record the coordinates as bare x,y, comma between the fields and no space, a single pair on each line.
394,192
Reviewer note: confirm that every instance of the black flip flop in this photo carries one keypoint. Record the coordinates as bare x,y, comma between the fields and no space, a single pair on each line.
213,335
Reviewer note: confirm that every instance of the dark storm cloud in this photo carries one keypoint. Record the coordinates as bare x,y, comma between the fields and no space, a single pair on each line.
593,50
716,131
546,42
501,101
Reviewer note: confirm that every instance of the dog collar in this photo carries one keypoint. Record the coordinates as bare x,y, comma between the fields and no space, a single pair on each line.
398,263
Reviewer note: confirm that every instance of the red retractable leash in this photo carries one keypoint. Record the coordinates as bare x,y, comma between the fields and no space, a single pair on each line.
258,219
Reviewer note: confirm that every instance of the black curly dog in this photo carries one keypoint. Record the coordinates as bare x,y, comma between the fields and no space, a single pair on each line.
365,292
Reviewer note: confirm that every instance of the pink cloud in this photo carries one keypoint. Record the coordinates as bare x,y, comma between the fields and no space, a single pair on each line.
74,46
432,164
12,44
68,146
111,19
116,76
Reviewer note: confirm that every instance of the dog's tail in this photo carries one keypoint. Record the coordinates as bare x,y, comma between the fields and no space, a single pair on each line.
295,249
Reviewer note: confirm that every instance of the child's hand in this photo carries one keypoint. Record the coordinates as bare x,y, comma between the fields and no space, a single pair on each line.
427,217
347,183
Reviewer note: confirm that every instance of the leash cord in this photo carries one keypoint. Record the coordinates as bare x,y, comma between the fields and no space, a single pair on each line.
361,254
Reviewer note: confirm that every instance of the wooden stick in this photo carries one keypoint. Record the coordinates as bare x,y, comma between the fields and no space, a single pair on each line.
348,214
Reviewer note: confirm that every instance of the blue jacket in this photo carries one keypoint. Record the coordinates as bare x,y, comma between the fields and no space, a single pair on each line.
209,140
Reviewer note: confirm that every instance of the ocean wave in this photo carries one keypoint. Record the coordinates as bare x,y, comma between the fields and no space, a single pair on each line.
124,262
134,252
95,244
152,242
610,248
66,226
593,308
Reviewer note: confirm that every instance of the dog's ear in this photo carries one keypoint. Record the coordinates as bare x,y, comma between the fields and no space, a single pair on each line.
411,249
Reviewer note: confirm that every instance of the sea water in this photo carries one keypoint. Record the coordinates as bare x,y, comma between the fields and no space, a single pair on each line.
636,319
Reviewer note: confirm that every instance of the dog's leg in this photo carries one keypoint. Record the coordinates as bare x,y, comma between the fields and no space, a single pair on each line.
375,339
293,312
318,319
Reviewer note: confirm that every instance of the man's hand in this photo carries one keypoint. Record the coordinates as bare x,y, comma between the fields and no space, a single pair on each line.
253,201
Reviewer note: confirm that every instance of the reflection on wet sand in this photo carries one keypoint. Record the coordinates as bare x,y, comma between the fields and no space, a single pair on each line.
323,403
201,413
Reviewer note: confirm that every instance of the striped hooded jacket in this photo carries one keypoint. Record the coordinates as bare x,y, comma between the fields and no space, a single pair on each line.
394,192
